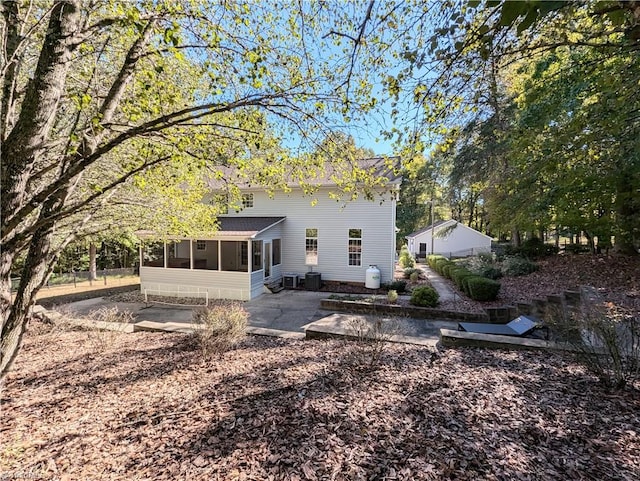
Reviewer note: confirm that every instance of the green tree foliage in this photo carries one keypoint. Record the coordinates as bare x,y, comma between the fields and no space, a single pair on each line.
538,100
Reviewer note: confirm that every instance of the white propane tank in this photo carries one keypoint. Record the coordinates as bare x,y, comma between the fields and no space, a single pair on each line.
373,278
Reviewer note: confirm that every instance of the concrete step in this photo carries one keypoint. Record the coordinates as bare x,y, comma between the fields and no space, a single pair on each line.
274,286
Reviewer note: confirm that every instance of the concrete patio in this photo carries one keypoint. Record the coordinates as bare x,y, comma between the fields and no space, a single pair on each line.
290,314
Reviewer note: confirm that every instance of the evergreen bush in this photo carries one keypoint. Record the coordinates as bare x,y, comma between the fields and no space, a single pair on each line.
424,297
518,266
482,289
406,260
398,285
432,259
410,271
439,265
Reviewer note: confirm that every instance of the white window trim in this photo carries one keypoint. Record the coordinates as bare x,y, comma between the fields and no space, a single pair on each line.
247,200
306,238
349,239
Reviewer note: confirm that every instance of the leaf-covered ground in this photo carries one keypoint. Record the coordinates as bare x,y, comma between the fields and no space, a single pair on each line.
617,275
112,406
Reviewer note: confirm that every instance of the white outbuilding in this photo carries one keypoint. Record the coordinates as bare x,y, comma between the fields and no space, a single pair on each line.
449,238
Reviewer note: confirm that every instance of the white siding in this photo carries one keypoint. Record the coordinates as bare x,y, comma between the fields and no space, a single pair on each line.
275,232
191,283
461,241
333,220
257,284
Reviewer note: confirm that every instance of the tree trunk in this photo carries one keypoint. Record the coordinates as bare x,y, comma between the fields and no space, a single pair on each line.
15,316
590,242
21,151
93,269
516,241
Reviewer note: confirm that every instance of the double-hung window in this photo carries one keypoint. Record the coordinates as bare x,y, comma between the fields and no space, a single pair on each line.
275,252
355,247
311,247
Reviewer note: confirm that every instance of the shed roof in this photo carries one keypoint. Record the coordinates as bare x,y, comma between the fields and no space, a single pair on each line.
428,228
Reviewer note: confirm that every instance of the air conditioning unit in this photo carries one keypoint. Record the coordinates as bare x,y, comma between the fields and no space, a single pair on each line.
290,281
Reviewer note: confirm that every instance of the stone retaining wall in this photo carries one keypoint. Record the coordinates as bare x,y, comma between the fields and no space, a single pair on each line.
541,308
569,301
415,312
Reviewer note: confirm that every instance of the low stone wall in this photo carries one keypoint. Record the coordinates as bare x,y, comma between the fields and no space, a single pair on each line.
568,301
415,312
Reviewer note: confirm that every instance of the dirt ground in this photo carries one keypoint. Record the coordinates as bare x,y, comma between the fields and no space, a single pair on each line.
88,287
83,405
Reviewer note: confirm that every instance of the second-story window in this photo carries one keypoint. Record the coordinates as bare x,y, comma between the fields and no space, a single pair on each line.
247,201
311,247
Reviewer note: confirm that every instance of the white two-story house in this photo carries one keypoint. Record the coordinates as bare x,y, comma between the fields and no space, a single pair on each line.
284,236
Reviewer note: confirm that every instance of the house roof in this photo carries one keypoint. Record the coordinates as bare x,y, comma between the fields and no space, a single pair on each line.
232,226
245,226
379,167
442,223
428,228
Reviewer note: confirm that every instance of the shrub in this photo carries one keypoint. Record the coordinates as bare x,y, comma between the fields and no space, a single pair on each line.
482,289
410,271
372,336
103,337
487,257
414,276
491,272
111,314
446,268
440,263
221,327
399,286
465,283
518,266
454,270
605,337
534,248
406,259
425,297
432,259
459,275
392,296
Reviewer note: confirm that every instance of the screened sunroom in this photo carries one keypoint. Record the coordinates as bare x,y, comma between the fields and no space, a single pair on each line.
235,263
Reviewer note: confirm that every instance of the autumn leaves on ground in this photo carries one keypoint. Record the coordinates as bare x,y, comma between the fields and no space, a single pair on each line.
94,406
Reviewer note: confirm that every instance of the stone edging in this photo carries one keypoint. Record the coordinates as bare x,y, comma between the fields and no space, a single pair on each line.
400,311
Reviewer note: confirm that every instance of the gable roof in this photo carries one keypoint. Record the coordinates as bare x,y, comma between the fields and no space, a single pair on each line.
387,168
442,223
429,227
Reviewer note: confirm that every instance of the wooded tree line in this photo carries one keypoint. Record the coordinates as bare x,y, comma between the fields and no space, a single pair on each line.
542,119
